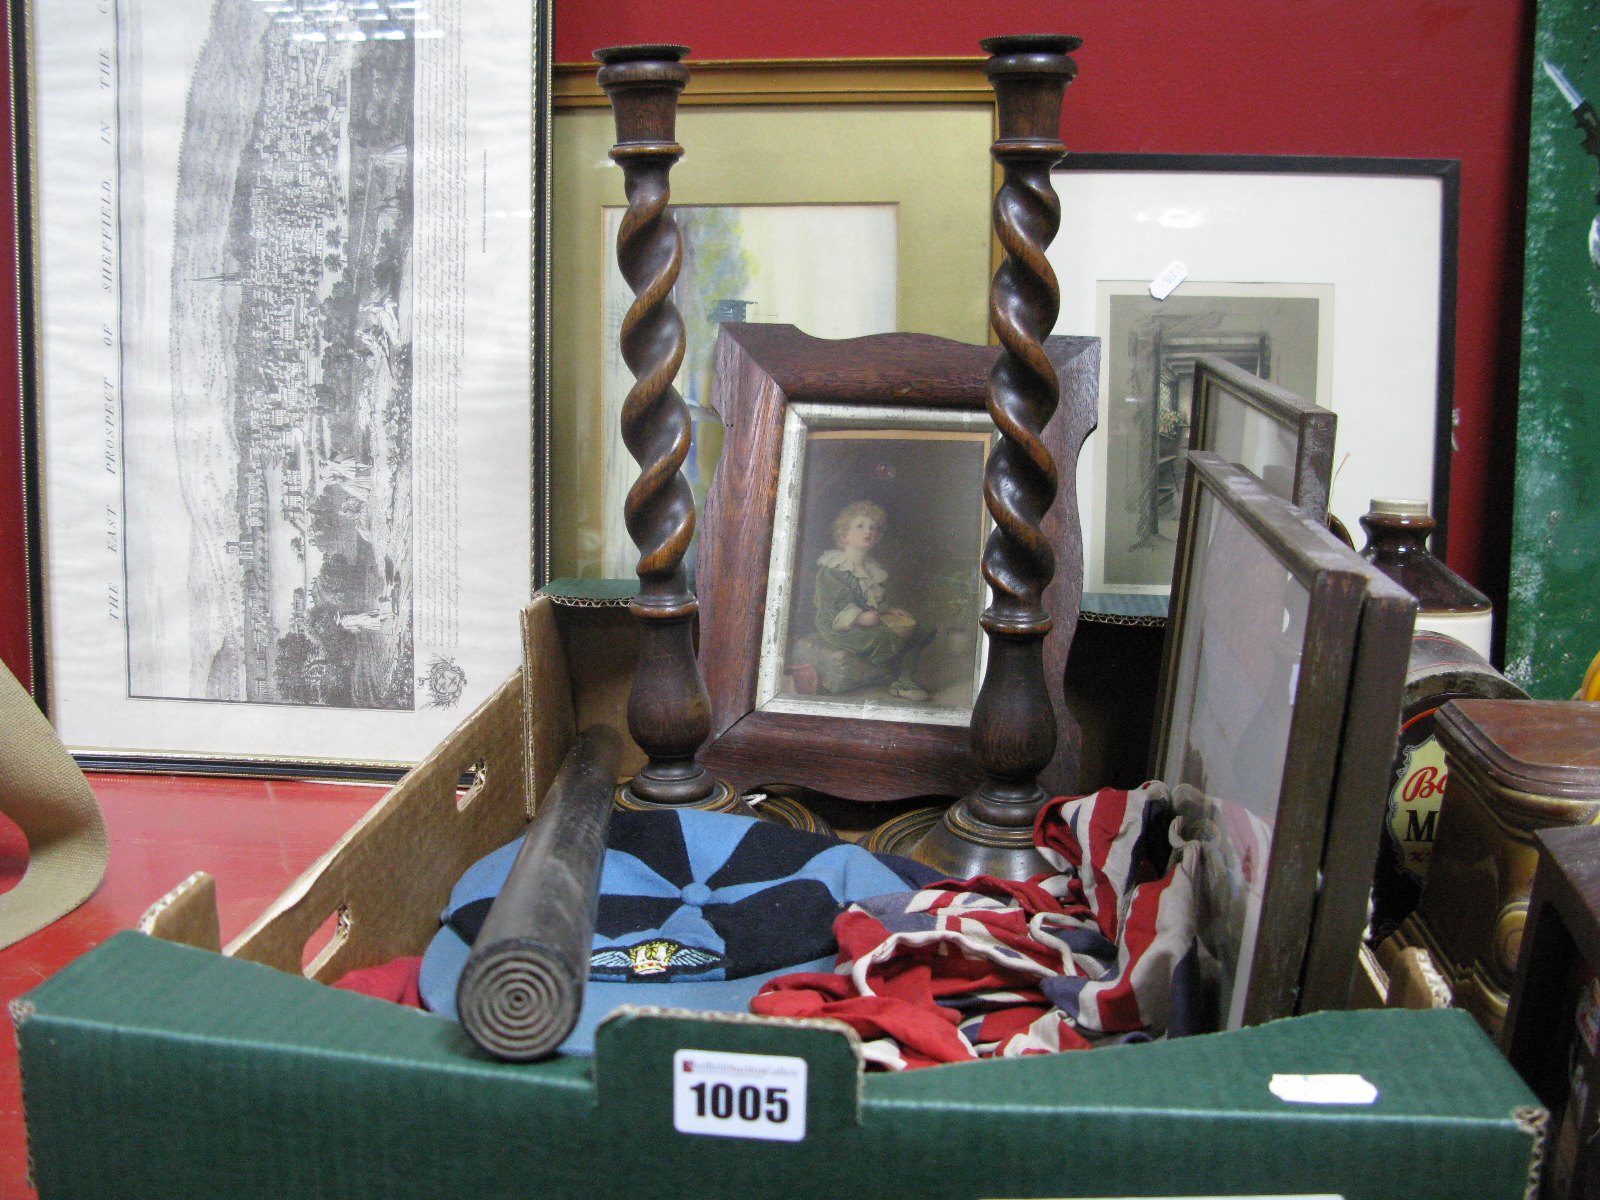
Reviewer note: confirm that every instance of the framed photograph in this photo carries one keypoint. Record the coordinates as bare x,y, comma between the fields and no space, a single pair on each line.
840,582
1333,278
291,487
1281,439
844,198
1260,740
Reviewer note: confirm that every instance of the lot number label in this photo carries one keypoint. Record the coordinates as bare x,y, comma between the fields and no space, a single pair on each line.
739,1095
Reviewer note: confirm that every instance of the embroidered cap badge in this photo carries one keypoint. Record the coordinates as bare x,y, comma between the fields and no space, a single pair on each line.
657,957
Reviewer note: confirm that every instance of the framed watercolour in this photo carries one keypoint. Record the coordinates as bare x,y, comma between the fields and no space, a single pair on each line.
1331,277
1281,689
1282,440
845,198
839,575
284,373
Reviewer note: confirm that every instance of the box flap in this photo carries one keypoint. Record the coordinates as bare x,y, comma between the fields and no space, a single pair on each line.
641,1042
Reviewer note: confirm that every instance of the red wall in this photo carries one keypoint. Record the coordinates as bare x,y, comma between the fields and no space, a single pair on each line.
1413,78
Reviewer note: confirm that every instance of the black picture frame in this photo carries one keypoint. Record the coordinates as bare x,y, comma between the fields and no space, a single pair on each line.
1446,171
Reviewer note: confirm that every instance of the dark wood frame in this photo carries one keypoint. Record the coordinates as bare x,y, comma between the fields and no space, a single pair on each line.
761,369
1562,931
1370,734
1341,739
1446,170
1312,425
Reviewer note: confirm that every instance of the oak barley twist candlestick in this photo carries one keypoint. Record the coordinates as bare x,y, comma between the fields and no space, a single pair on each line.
669,714
1013,724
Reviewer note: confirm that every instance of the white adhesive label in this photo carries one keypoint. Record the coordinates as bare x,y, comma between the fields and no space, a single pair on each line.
1323,1089
1171,276
739,1095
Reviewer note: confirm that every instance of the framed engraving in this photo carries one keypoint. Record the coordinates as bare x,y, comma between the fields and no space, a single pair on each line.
1332,277
1154,346
291,487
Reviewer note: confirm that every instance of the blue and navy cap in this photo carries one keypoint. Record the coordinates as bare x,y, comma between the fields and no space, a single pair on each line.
689,897
692,896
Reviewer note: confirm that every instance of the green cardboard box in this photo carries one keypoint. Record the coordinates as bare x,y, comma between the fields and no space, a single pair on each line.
156,1069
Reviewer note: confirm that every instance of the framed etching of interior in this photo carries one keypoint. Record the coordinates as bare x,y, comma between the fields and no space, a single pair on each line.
290,374
839,577
1334,278
1282,677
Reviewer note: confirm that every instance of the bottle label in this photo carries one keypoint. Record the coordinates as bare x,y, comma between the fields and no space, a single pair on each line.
1414,805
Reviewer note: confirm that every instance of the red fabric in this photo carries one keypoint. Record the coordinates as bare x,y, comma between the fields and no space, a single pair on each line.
904,1017
988,967
394,981
910,986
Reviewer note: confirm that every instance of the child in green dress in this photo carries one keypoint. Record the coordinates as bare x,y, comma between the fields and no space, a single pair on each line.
851,614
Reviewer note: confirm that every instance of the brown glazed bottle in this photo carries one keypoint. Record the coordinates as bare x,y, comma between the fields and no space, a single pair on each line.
1397,544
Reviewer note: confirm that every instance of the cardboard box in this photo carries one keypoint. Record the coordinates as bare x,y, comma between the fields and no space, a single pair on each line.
156,1069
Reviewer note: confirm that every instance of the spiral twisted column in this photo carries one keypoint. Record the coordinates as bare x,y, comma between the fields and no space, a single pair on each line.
669,714
1013,723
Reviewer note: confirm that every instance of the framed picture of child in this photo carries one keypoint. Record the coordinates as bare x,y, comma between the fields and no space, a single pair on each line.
874,586
838,569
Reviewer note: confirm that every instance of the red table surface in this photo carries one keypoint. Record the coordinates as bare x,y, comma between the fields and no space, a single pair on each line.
254,836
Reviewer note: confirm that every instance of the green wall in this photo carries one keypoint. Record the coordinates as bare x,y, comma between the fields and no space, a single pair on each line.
1553,621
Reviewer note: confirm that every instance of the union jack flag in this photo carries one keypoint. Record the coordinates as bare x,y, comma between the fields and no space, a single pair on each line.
1092,953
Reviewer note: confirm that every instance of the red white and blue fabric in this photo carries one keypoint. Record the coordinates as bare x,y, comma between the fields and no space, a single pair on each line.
1094,953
